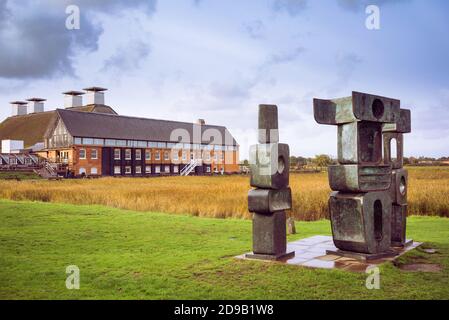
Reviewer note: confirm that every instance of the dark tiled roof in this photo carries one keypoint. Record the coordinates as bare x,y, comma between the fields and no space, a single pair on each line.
96,125
31,128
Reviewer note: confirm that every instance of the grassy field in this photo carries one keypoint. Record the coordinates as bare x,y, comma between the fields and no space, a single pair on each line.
18,175
127,254
217,197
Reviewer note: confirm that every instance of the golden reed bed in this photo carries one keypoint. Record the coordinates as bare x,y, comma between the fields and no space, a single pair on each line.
218,197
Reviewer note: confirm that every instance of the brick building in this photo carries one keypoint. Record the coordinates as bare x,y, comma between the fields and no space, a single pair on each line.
93,140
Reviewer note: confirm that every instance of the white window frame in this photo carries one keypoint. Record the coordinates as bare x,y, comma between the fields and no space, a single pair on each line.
184,155
85,154
96,154
175,169
147,155
94,171
157,169
166,169
119,171
148,169
138,169
130,170
166,156
119,154
138,154
81,170
157,156
128,152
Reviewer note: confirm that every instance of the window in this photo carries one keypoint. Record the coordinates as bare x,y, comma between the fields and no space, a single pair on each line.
222,157
148,169
175,155
88,141
216,156
161,145
167,169
77,141
157,169
98,142
142,144
93,170
175,169
147,155
184,155
117,170
116,154
128,170
128,154
138,154
157,156
207,156
82,153
82,171
120,143
166,155
138,170
152,144
109,142
208,169
94,154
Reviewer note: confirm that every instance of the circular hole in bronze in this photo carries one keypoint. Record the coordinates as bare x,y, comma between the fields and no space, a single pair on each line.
378,108
281,165
403,186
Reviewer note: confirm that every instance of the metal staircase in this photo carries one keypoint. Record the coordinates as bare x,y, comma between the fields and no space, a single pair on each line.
188,169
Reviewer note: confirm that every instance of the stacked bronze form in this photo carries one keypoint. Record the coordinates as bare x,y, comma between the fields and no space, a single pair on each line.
269,165
368,202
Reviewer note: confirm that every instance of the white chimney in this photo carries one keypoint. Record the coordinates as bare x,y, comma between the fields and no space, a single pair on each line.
73,99
19,108
36,105
95,95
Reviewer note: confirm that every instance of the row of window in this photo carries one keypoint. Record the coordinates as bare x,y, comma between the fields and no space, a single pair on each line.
157,155
93,154
138,170
150,144
148,169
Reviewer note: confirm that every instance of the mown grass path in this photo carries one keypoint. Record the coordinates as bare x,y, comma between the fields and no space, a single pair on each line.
135,255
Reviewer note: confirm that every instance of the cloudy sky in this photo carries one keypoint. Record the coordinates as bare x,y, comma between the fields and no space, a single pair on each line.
217,60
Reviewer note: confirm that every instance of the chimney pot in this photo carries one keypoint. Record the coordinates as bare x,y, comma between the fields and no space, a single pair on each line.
73,99
95,95
37,105
19,108
201,122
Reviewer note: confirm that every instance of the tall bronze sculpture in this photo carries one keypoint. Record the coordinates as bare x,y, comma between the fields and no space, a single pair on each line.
368,205
269,165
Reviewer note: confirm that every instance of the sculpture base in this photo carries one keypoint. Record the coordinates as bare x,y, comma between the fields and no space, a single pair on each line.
269,257
363,256
405,244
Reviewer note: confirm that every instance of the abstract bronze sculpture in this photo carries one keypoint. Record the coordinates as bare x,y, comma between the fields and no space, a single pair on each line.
269,165
368,205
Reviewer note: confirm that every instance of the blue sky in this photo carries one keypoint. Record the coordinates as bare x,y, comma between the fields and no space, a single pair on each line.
217,60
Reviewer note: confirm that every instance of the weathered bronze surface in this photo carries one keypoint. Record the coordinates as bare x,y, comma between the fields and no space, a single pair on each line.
398,189
268,200
390,138
398,225
270,167
361,222
268,124
402,125
358,107
359,178
371,197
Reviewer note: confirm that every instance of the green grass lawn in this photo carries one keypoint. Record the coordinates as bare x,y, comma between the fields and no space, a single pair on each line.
134,255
